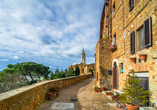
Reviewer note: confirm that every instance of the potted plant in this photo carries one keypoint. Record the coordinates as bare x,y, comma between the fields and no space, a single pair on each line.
134,94
103,88
57,90
133,59
52,95
99,89
114,97
108,93
120,107
96,89
142,56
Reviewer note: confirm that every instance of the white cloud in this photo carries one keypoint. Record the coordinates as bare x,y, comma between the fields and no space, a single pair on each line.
3,60
51,32
15,57
52,67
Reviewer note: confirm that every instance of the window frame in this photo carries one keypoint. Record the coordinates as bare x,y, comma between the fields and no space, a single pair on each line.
131,4
132,42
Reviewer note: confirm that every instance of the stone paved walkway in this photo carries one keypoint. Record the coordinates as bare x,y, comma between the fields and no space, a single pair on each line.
88,99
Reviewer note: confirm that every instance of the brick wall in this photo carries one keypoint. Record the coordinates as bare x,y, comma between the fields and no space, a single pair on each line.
121,23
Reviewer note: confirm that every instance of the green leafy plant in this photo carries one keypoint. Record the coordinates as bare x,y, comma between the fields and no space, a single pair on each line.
95,88
134,94
99,88
114,96
52,92
108,92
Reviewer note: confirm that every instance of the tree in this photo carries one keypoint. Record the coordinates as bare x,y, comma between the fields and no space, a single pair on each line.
2,78
77,70
51,75
38,69
134,94
46,72
19,69
71,71
56,71
66,73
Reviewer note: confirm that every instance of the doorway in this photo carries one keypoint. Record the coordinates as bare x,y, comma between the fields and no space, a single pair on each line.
115,76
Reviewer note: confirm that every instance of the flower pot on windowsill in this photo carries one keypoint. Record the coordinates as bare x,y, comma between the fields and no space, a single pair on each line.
133,59
113,47
142,56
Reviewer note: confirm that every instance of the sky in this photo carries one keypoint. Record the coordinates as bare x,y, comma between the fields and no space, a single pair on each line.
49,32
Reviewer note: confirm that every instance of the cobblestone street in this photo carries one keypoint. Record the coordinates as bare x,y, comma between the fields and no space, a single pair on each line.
88,99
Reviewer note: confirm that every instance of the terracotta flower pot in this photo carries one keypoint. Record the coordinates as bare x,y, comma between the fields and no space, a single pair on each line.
52,96
130,107
114,98
108,93
133,59
114,46
57,91
96,90
99,90
103,88
142,56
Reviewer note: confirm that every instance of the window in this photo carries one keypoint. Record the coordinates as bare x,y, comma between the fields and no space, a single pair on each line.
141,38
113,8
147,33
132,42
131,4
121,67
114,40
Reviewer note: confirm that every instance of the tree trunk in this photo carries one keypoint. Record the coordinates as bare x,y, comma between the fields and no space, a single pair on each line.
31,76
39,77
26,78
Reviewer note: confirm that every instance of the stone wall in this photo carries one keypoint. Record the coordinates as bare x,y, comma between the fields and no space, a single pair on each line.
30,97
123,23
103,62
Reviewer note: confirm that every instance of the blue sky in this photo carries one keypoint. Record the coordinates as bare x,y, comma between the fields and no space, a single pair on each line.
51,32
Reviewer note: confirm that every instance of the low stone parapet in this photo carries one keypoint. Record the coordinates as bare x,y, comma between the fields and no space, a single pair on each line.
30,97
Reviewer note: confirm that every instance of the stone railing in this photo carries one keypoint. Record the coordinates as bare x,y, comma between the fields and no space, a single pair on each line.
30,97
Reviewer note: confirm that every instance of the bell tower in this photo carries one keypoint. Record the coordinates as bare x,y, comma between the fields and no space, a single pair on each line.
83,57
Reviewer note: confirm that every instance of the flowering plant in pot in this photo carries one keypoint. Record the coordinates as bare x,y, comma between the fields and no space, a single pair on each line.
120,107
96,89
108,93
115,97
99,89
134,94
103,88
57,90
52,95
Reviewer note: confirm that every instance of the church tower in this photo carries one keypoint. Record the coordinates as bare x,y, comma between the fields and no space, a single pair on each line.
83,57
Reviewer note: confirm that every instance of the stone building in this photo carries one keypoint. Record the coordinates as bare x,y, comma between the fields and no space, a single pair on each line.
128,29
84,68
